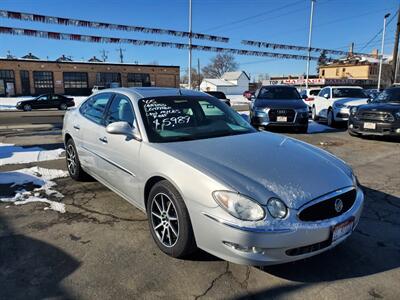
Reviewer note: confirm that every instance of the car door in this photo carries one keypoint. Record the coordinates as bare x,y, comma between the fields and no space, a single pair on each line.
121,153
91,127
56,101
41,102
324,100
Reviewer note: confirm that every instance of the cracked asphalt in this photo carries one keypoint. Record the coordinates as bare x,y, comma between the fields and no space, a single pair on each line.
101,247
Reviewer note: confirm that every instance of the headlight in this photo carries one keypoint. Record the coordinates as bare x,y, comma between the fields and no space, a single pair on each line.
339,105
353,110
261,112
239,206
302,110
277,208
18,103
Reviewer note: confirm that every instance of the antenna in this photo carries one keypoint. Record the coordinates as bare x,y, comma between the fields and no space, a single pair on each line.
104,54
121,55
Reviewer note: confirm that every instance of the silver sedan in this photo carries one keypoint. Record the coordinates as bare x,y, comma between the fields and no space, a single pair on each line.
205,178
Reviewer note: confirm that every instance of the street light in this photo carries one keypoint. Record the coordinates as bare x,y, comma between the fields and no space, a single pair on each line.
309,42
383,44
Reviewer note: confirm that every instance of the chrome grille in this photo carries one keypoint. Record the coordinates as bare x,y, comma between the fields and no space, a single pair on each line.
376,116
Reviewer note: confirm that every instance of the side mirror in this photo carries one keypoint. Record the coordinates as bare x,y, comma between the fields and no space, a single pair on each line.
326,96
304,96
369,100
123,128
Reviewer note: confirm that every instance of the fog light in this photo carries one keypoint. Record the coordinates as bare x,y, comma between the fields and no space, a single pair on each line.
398,130
246,249
351,126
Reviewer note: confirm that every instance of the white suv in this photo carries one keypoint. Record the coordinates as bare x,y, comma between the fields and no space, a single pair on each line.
333,103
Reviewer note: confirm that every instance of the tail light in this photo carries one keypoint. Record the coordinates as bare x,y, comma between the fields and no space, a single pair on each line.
309,99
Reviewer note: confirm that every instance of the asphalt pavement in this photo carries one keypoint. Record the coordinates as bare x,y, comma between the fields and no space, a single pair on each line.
31,119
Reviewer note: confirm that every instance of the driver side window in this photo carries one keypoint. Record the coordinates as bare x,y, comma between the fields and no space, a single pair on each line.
120,110
42,98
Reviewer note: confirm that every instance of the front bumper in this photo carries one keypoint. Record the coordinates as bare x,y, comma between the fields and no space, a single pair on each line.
381,128
301,120
281,242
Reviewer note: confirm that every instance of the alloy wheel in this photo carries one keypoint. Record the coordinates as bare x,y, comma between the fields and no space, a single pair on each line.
63,106
27,107
71,159
164,219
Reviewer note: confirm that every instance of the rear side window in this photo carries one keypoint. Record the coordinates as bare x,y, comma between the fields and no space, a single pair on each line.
120,110
314,92
94,108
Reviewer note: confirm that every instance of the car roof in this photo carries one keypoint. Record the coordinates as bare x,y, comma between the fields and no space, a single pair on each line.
146,92
343,86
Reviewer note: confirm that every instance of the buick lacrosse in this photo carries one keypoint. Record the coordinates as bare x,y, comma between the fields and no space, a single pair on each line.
205,178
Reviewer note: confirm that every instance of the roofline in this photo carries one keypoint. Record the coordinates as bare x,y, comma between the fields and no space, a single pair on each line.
205,79
84,62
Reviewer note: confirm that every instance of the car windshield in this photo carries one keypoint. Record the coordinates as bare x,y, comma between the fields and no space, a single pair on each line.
389,95
278,93
169,119
348,93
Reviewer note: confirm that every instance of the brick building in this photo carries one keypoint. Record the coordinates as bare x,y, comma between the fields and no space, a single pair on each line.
33,77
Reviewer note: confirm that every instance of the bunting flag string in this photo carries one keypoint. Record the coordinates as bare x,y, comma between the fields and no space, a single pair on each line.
302,48
101,25
101,39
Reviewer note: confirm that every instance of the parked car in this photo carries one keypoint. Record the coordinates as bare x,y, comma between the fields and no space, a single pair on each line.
380,117
308,96
333,103
97,88
279,106
46,101
372,93
221,96
205,178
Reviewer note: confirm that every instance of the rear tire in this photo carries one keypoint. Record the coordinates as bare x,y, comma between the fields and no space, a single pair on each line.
169,220
63,106
73,164
27,107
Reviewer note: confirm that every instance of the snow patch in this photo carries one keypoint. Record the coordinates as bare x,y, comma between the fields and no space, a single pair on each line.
40,177
11,154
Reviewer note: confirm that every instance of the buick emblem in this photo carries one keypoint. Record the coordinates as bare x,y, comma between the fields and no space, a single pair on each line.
338,205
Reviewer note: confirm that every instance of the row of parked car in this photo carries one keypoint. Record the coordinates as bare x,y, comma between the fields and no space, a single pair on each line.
365,113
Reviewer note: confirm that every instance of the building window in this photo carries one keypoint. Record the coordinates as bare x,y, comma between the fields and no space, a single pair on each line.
138,79
337,71
108,79
75,80
25,83
323,73
7,75
43,80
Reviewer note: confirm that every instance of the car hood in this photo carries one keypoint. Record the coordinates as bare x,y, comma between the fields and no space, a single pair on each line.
263,165
384,107
351,101
295,104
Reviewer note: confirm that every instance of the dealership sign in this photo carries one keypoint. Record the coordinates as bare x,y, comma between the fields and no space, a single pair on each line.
299,81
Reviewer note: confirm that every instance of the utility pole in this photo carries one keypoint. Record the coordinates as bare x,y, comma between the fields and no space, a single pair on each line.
198,71
104,54
382,47
396,47
309,42
190,46
121,55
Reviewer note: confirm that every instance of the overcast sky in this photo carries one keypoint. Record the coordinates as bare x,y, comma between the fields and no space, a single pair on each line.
337,23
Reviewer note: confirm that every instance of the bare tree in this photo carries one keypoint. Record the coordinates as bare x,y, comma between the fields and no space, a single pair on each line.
219,65
196,78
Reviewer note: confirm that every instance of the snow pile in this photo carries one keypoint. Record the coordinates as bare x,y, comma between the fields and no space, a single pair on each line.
11,154
9,103
41,178
238,100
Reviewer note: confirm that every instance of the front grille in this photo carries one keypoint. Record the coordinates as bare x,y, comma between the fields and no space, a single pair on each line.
308,248
376,116
274,113
326,209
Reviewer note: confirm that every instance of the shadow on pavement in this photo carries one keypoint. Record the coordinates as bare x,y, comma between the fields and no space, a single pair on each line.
30,268
374,247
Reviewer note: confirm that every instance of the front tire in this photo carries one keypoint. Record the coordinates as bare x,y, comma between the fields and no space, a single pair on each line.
73,164
331,119
169,220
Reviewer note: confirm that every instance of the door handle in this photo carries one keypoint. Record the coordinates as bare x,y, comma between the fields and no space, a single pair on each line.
77,127
103,139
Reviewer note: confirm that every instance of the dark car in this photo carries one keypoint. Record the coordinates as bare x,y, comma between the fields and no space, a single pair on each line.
379,117
279,106
221,96
46,101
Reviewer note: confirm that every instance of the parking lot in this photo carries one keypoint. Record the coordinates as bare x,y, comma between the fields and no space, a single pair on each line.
101,246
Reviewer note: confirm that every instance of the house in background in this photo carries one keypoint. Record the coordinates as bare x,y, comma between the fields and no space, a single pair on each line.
231,83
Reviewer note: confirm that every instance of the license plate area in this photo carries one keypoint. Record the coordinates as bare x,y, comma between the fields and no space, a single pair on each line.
281,119
369,125
342,229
